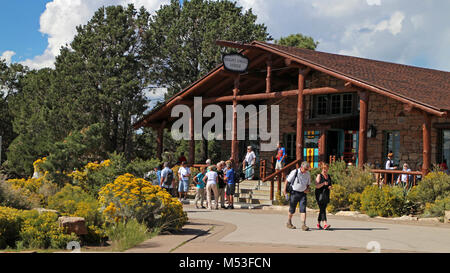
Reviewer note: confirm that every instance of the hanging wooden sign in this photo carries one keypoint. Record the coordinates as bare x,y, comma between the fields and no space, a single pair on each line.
235,62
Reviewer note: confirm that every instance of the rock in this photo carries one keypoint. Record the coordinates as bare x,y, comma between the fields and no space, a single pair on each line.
429,220
76,225
405,218
348,213
447,217
41,210
365,216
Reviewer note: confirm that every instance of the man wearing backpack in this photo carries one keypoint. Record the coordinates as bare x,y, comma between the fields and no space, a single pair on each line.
167,178
299,180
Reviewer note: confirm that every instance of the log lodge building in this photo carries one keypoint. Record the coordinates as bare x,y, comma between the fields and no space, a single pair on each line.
330,106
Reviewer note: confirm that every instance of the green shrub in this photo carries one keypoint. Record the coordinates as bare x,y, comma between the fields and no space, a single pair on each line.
387,201
42,231
355,201
10,223
125,235
338,199
29,229
18,198
435,185
73,201
438,208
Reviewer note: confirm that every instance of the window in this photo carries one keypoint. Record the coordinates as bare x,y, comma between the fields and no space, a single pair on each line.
391,143
336,104
322,105
445,146
290,141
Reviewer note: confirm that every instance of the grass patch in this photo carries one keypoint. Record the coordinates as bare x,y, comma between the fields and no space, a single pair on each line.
125,235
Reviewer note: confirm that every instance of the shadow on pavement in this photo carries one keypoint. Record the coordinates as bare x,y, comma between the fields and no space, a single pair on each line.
366,229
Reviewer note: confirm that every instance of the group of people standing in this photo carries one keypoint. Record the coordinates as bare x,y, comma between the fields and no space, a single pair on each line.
219,181
213,180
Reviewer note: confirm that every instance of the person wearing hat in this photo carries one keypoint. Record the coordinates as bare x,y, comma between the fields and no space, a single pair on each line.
389,165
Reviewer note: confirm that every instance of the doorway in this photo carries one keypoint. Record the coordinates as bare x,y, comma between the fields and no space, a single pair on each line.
334,143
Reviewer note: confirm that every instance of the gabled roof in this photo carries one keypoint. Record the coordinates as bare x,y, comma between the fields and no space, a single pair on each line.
424,86
427,88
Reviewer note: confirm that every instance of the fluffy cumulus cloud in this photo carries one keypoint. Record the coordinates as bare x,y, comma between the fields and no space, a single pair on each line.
414,32
7,55
59,20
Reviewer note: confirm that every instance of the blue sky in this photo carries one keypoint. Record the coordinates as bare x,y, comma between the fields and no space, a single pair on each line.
412,32
20,28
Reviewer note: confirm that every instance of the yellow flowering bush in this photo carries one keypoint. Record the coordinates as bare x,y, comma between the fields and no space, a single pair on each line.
91,177
387,201
37,165
129,197
73,201
35,190
30,229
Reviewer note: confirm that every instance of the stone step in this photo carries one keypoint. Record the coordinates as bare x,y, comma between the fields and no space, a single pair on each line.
255,201
255,196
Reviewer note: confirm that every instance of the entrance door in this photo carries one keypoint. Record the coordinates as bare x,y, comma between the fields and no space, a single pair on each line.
334,143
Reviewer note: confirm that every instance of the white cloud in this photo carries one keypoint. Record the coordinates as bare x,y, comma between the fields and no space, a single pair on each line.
413,32
394,24
7,55
373,2
60,18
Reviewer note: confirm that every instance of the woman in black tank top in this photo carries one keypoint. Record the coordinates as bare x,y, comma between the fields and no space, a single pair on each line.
323,186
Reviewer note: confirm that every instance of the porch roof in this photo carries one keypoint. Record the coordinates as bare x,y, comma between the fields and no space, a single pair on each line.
427,88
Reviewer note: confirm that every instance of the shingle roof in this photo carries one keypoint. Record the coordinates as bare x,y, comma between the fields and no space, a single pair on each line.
425,86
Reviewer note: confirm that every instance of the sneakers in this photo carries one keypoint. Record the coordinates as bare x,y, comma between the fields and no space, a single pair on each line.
305,228
203,207
289,225
327,227
319,226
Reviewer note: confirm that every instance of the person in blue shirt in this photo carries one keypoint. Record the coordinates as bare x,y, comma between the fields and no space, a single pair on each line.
231,187
200,187
158,174
281,158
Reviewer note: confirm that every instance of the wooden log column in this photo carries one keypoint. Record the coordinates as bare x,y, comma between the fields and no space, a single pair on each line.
426,131
322,146
269,74
363,114
234,141
192,139
300,116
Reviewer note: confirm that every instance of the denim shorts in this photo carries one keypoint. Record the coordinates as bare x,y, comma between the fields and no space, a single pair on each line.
183,185
296,198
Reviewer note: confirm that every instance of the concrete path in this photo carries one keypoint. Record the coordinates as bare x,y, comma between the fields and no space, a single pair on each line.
260,231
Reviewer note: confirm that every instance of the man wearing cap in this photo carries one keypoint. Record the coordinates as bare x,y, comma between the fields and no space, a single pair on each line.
300,180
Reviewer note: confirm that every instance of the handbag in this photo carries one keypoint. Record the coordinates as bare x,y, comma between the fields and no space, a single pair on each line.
289,188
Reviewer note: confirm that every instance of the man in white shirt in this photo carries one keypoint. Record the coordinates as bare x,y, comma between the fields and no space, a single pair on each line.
300,180
249,163
183,186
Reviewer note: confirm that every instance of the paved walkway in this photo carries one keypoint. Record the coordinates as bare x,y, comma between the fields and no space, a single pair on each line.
259,231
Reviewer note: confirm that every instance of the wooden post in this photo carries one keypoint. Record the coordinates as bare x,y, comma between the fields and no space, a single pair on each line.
269,74
192,140
322,146
300,116
363,113
234,141
426,130
160,140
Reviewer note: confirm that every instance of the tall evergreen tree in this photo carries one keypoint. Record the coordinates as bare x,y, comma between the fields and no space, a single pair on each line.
180,42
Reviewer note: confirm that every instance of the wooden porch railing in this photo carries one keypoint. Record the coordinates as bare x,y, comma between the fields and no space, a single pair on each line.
278,174
383,175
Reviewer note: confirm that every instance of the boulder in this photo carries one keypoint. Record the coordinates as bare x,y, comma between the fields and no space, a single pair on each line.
447,217
76,225
406,218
